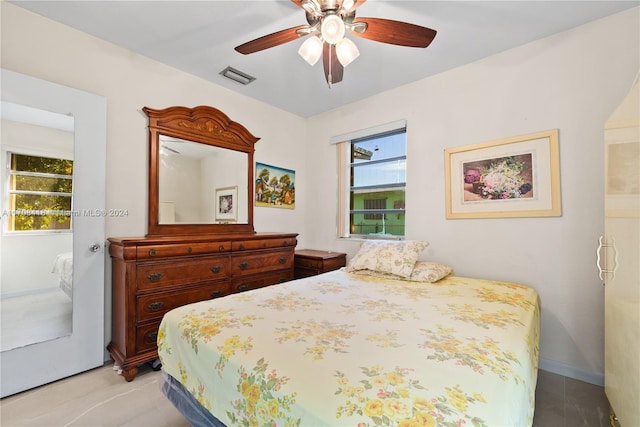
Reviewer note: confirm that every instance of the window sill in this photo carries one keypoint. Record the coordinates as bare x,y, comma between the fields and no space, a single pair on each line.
363,237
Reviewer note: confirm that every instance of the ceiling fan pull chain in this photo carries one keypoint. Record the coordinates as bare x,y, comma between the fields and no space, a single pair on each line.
330,79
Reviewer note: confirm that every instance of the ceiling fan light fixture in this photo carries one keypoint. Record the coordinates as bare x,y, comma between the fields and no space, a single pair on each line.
311,50
310,6
348,4
346,51
332,29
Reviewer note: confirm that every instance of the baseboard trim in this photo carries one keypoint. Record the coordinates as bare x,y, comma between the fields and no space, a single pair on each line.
571,372
14,294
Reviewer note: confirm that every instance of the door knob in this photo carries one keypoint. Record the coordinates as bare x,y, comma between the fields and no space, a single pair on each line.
94,247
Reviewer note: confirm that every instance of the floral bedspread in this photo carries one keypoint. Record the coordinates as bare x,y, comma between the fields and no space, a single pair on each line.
342,349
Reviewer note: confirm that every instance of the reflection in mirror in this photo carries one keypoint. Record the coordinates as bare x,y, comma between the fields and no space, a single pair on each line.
190,175
37,240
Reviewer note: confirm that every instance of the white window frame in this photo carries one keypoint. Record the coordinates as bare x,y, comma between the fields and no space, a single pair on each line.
6,191
343,143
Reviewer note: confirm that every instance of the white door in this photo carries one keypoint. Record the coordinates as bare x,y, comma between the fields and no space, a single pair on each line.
80,347
620,260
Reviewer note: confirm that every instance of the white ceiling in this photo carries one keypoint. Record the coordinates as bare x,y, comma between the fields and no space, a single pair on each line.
198,37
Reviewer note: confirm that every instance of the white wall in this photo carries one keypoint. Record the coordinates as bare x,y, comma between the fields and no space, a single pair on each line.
188,201
571,81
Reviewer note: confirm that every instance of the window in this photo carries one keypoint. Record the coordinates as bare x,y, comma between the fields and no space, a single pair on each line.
40,190
373,178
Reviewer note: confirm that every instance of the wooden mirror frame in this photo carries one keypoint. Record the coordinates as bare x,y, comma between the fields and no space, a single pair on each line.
205,125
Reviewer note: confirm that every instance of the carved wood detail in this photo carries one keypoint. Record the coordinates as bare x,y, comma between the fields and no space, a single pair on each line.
199,122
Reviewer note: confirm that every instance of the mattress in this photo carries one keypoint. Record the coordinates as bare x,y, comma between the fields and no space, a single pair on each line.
343,349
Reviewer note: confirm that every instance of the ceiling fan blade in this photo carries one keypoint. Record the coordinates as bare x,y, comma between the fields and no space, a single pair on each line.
333,69
395,32
270,40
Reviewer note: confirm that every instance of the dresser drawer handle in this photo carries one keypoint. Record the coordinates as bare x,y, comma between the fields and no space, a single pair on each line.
282,260
221,248
243,288
152,252
241,247
153,336
154,277
285,243
155,306
216,269
243,265
282,280
190,249
216,294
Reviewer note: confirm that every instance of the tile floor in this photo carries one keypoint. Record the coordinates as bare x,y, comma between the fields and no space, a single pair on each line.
562,401
102,398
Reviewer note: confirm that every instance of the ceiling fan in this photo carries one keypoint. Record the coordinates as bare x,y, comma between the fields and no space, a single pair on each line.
328,21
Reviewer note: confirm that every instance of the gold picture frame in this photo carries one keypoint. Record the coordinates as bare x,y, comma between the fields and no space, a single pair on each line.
513,177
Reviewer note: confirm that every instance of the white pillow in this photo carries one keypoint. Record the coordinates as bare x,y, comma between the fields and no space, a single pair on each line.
428,271
396,257
424,271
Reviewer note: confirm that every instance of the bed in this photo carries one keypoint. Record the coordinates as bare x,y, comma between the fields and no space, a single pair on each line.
63,267
357,347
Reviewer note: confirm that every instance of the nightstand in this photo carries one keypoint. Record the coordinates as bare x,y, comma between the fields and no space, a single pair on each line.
310,262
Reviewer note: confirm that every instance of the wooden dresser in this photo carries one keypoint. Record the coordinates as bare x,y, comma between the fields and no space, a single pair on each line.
153,275
310,262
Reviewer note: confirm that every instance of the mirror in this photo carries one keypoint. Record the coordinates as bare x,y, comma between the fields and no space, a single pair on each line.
37,238
215,176
200,172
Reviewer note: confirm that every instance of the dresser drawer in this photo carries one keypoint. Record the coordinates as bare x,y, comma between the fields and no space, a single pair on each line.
159,275
156,305
147,336
248,245
309,263
264,262
255,282
181,249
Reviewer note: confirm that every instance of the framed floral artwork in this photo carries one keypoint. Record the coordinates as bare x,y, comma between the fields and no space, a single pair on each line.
226,200
507,178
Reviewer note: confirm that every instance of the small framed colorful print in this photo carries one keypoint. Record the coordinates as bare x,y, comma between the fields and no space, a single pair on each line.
275,187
